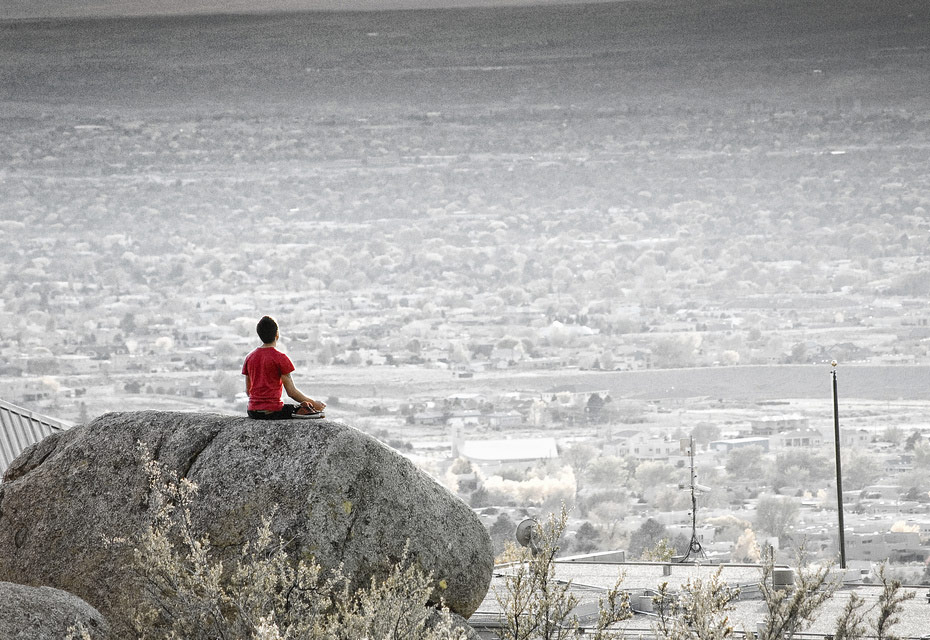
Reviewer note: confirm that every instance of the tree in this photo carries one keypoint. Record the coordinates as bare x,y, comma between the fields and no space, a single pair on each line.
610,513
912,440
775,515
594,407
800,468
479,498
647,536
916,283
227,350
705,432
728,527
562,277
729,357
915,481
746,463
586,538
502,532
673,352
655,473
922,454
579,456
127,323
893,434
608,471
227,386
413,346
860,470
460,466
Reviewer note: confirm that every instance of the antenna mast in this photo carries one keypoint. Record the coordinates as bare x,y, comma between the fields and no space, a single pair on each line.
695,545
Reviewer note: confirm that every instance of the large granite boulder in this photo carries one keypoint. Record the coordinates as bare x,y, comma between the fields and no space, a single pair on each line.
342,497
44,613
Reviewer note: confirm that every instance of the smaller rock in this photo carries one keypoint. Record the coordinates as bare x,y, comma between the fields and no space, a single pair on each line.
44,613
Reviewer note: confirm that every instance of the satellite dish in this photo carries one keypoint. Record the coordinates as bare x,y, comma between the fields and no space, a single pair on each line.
525,534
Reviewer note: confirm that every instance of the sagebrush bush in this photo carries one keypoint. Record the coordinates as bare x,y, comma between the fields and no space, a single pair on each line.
698,612
186,593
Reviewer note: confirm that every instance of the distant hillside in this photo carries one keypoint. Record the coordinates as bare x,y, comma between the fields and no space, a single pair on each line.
674,54
731,384
749,383
24,9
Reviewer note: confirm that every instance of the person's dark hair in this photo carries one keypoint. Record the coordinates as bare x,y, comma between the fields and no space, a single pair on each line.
267,329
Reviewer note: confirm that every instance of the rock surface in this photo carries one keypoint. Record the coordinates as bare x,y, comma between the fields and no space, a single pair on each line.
44,613
341,496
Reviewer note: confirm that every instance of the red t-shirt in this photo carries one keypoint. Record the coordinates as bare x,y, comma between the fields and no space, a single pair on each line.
265,366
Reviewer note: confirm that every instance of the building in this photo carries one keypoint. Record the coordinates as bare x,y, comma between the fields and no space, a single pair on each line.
772,425
881,546
807,438
646,446
21,428
738,443
493,456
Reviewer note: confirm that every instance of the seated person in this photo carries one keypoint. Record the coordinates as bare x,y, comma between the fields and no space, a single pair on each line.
266,371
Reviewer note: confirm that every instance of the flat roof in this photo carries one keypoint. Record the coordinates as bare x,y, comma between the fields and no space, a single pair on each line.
590,582
514,449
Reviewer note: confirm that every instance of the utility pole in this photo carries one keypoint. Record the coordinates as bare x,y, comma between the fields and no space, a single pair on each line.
839,469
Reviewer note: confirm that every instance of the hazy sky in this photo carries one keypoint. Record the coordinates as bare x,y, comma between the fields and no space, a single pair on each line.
20,9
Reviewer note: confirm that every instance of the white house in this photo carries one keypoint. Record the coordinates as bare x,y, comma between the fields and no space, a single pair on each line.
494,455
646,446
805,438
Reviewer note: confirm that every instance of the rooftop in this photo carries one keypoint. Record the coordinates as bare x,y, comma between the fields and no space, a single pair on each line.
514,449
590,581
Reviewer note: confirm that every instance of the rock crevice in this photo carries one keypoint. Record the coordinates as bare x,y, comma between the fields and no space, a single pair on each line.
185,471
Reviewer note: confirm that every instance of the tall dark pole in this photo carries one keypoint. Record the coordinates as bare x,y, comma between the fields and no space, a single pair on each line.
839,470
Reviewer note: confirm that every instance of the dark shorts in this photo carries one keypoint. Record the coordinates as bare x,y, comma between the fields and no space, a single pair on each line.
287,411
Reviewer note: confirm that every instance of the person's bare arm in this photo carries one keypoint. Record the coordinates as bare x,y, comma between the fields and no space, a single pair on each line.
248,386
296,394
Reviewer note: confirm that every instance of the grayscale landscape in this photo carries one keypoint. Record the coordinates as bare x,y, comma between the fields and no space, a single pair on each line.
610,226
